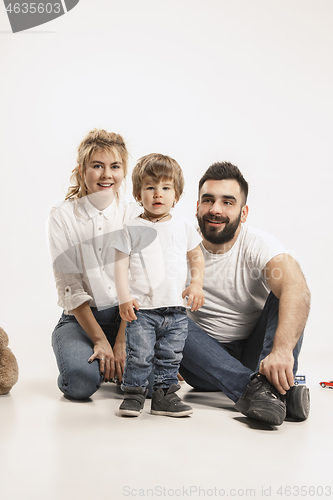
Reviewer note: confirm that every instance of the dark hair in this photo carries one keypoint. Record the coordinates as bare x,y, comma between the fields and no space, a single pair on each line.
225,170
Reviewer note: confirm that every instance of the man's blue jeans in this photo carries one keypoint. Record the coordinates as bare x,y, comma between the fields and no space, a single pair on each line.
155,339
72,348
209,365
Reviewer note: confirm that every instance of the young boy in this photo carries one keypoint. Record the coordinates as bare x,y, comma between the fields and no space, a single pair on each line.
155,247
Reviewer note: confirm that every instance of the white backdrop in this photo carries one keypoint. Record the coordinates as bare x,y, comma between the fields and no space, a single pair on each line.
200,80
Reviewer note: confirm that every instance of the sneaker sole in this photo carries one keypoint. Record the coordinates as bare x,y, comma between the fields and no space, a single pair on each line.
273,416
129,413
172,413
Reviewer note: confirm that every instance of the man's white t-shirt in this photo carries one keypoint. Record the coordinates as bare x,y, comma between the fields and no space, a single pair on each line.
234,285
158,259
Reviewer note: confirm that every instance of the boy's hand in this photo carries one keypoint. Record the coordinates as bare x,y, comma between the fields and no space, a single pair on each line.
195,296
126,310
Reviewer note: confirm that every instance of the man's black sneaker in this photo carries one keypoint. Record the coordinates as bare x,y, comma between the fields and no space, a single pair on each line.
168,403
134,401
262,401
298,403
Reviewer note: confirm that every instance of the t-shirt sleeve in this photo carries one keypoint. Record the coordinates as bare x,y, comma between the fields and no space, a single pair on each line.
193,237
121,241
263,248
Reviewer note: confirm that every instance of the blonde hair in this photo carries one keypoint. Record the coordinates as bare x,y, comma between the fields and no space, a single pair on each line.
157,167
96,140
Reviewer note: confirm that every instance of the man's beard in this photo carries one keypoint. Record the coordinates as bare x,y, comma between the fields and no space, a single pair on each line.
214,234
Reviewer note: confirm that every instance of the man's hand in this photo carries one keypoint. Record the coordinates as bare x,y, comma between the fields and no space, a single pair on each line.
126,310
196,296
278,369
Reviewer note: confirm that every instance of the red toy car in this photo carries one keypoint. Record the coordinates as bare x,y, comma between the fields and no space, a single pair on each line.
327,384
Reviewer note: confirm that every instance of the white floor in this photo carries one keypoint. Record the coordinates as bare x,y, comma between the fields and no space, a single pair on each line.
54,449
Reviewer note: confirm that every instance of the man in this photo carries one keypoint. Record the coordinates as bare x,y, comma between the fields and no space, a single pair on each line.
246,338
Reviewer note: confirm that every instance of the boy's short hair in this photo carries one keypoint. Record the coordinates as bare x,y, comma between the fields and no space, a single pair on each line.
157,167
225,170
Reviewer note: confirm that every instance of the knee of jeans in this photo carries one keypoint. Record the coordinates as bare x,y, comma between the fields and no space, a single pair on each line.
79,385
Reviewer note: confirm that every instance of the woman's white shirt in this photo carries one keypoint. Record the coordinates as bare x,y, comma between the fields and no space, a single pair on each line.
80,239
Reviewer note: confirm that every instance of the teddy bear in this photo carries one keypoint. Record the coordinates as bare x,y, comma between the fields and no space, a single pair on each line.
8,365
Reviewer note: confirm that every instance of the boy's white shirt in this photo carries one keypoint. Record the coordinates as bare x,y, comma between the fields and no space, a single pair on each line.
158,259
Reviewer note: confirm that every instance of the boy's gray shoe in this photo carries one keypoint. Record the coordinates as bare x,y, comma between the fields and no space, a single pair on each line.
262,401
298,403
134,401
169,404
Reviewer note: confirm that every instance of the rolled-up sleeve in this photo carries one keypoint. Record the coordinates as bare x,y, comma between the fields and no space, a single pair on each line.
67,264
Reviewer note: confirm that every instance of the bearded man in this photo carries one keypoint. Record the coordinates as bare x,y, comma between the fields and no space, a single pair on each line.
245,340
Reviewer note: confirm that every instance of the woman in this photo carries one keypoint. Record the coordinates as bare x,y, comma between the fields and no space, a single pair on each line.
88,341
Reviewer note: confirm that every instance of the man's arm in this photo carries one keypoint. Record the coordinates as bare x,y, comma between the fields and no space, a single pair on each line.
286,280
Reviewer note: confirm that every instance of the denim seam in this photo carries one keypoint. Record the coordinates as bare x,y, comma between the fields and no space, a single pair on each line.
63,366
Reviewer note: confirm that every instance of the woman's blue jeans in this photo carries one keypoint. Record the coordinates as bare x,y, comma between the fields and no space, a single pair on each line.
155,340
209,365
72,347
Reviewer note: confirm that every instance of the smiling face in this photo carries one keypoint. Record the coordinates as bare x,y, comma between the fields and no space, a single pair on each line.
220,212
103,176
157,198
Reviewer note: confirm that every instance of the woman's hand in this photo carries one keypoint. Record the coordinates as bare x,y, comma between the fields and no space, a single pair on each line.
102,349
104,353
119,351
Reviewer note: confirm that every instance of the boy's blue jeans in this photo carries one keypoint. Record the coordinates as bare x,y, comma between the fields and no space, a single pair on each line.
72,348
155,339
209,365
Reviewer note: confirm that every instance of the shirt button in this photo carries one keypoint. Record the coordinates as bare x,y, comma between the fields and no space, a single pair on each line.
99,228
99,249
100,213
67,289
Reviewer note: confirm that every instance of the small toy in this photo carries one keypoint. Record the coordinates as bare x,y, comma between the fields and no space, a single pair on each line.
328,384
300,380
8,365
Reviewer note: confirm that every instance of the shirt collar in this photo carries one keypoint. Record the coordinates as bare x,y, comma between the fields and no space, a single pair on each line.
92,211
